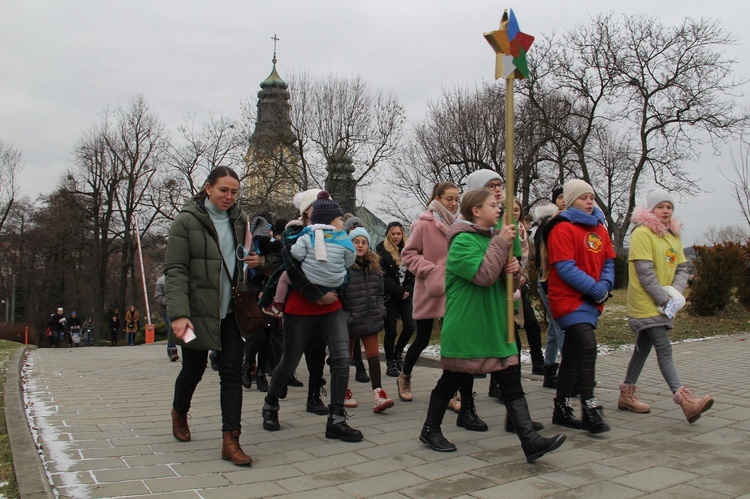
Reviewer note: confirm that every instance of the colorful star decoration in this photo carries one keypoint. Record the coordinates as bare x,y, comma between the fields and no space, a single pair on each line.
510,45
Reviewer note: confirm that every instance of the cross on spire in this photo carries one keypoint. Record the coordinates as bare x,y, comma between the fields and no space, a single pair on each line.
275,39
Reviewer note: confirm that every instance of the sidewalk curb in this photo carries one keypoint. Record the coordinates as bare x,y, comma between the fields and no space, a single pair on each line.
31,475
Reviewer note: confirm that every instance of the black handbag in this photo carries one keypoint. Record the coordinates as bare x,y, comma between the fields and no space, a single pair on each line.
246,308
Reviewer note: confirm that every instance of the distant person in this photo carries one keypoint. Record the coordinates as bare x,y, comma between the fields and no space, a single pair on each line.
131,324
74,324
88,331
114,330
172,354
657,272
57,324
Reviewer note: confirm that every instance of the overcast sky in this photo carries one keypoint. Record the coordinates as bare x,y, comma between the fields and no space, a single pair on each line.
63,62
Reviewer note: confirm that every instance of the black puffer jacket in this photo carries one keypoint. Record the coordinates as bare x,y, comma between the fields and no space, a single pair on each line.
364,297
391,272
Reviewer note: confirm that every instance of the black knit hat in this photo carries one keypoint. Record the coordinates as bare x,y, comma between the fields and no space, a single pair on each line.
325,209
556,191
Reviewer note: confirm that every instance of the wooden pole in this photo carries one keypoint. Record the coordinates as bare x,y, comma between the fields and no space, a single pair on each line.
509,194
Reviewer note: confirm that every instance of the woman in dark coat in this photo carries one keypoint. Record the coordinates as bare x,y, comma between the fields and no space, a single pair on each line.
201,254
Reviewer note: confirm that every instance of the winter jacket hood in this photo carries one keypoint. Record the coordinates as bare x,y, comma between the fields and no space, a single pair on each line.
643,217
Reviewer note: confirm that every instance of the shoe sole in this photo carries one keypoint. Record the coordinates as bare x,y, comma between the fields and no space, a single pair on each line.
596,431
559,439
384,406
271,428
573,426
424,441
351,406
709,403
405,399
333,436
476,428
323,412
625,408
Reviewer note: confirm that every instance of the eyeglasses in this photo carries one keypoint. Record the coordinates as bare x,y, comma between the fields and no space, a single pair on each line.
494,185
449,200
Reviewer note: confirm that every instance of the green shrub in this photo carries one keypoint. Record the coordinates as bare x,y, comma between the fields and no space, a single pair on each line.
719,269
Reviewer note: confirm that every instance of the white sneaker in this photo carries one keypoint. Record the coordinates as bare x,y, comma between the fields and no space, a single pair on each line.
349,402
382,402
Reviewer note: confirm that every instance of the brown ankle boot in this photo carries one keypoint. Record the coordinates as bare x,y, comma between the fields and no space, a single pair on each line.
628,400
180,428
691,406
231,450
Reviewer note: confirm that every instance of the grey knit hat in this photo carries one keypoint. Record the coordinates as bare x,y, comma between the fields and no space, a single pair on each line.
480,178
656,197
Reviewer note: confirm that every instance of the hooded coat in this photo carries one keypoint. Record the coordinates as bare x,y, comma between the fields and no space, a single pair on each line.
193,269
364,297
425,254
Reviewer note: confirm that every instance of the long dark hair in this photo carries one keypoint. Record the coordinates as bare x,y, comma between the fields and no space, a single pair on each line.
214,176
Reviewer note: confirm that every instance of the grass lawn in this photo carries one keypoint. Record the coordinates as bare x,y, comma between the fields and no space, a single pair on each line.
8,487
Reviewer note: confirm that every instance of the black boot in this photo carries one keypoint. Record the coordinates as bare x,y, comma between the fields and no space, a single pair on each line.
247,378
260,381
361,373
271,416
593,417
495,391
550,375
533,444
511,428
293,381
336,426
435,439
467,416
391,369
563,414
314,403
537,366
399,358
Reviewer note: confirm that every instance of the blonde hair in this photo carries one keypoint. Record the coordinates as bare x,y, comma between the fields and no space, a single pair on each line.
393,249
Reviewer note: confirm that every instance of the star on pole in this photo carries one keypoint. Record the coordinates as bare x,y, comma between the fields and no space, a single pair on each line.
510,45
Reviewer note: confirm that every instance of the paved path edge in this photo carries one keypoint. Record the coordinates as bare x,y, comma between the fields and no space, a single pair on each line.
31,476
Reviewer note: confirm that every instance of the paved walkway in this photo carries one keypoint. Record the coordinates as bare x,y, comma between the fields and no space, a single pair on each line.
100,417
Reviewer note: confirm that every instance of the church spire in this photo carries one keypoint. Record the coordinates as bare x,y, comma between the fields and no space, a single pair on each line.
273,105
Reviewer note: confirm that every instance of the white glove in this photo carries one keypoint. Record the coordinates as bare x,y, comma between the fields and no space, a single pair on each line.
675,303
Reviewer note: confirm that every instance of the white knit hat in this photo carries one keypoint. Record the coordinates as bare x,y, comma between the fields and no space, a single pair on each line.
656,197
573,189
480,178
303,200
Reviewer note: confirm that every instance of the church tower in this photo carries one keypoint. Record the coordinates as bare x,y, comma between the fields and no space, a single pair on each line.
272,160
340,182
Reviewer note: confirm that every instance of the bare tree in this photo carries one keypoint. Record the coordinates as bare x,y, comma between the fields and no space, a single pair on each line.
741,181
11,165
637,97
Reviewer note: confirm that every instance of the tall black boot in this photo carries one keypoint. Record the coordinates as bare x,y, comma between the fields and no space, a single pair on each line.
336,426
533,444
511,428
314,402
550,375
563,414
467,415
431,433
593,417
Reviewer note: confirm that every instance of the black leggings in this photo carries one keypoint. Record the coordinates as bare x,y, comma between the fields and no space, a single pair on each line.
229,360
578,361
395,309
422,341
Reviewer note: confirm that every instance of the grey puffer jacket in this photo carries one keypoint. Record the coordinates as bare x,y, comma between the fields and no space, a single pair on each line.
363,297
193,269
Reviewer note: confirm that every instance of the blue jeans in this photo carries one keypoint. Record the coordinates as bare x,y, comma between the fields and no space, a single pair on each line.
555,334
297,332
164,316
659,339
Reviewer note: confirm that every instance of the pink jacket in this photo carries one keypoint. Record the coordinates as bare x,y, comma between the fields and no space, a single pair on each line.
425,253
